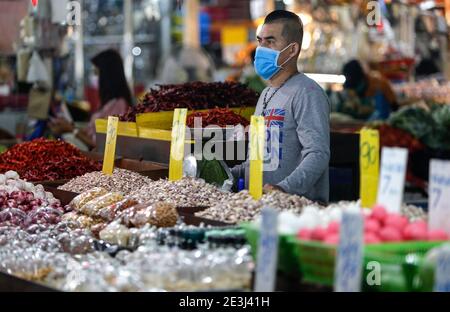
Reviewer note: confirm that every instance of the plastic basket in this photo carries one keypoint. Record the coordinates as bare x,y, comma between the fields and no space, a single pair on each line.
287,262
316,261
398,262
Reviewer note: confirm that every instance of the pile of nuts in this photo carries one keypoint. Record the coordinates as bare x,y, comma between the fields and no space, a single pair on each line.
239,207
284,201
122,180
187,192
242,206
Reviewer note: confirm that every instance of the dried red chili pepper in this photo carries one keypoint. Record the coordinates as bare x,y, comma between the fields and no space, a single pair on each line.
218,117
43,159
194,96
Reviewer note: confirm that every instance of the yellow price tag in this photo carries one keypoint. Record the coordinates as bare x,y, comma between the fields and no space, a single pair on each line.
369,159
110,145
257,142
177,145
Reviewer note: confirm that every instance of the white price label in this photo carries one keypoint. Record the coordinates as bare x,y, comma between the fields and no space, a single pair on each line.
266,266
442,275
439,196
392,178
349,262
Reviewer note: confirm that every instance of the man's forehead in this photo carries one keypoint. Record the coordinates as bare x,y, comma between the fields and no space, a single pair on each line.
271,30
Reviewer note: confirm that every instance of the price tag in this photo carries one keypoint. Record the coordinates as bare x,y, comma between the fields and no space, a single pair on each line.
177,145
257,141
369,158
392,178
110,145
266,265
442,273
349,262
439,196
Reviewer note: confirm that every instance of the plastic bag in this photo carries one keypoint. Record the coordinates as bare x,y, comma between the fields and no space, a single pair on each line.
116,233
78,202
113,211
93,207
158,214
37,71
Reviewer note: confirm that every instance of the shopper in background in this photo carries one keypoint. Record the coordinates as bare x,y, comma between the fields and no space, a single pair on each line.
371,96
115,97
296,110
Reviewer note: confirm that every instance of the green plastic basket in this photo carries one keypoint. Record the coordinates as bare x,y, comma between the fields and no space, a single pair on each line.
399,263
316,261
287,261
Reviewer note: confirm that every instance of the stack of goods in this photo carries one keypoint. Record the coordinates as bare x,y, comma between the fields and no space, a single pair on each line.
187,192
121,180
242,206
432,128
220,117
313,217
429,90
42,160
98,208
65,258
379,226
194,96
23,205
394,137
191,237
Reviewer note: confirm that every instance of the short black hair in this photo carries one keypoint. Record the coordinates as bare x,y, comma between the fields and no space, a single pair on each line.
354,74
292,24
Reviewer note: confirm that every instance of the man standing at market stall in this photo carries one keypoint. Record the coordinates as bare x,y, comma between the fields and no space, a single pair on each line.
296,110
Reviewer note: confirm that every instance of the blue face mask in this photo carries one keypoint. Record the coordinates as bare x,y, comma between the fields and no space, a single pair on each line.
266,62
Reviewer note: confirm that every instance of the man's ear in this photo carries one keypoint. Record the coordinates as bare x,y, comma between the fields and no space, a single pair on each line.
296,48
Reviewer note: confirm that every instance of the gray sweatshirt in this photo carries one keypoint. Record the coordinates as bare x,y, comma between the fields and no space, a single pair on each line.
297,139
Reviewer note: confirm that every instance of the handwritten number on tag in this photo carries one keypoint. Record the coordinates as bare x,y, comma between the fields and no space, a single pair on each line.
367,152
438,192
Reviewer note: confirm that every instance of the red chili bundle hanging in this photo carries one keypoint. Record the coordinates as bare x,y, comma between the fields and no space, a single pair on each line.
42,160
221,117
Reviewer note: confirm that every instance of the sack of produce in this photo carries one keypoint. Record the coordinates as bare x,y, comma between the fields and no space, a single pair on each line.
81,220
116,233
97,228
159,214
78,202
114,211
93,207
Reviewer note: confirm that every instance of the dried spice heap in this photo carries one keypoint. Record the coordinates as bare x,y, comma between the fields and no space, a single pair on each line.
43,159
194,96
241,207
122,180
221,117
